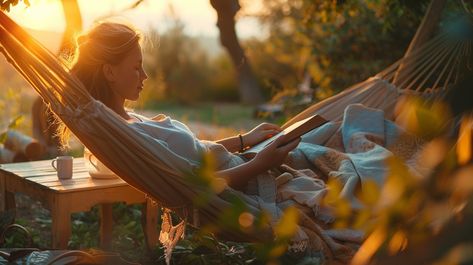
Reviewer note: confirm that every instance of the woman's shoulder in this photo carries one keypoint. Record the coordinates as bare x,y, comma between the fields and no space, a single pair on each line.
160,117
139,118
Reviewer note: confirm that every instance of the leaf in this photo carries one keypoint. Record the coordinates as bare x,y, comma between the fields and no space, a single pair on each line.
370,193
16,122
3,137
398,242
464,144
369,247
287,225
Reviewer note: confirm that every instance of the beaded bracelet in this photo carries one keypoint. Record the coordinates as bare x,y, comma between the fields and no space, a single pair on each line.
242,146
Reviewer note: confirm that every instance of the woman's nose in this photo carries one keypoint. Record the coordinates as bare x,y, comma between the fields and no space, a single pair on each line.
144,76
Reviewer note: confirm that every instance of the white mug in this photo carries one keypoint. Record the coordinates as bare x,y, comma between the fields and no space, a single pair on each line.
63,166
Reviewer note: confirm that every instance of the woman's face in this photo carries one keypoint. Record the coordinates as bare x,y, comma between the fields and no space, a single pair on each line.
126,78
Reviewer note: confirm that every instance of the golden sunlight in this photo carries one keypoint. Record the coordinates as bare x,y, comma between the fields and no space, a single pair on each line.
40,15
197,15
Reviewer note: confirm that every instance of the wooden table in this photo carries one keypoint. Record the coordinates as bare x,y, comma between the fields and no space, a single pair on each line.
39,181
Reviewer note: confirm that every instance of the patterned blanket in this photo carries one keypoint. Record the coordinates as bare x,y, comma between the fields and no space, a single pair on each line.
353,152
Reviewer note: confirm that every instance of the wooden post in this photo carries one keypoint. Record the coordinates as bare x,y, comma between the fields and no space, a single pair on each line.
149,221
61,222
106,225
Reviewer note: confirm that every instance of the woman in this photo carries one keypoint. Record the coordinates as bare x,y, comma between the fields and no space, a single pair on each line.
109,62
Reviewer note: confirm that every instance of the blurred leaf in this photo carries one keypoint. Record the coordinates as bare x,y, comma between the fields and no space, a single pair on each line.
463,182
464,144
369,247
369,193
16,122
398,242
288,224
3,137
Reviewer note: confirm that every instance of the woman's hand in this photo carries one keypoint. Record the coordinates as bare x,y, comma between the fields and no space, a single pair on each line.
271,156
275,153
260,133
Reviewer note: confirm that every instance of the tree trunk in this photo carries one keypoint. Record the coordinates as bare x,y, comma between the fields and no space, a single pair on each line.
73,25
44,125
250,92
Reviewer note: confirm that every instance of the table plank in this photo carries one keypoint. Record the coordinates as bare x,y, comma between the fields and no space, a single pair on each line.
43,174
78,162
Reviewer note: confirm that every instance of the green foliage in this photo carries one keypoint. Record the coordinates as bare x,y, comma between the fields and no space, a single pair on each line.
180,70
11,117
5,5
338,42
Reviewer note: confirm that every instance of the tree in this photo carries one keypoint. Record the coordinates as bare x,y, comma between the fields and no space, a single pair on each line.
73,18
43,121
338,42
250,91
7,4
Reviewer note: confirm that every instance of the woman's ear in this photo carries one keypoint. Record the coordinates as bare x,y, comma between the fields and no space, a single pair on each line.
108,72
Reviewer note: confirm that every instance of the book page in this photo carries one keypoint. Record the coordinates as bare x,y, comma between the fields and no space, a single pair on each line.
291,133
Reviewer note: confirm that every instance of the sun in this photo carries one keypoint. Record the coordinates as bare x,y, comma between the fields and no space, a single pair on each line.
40,15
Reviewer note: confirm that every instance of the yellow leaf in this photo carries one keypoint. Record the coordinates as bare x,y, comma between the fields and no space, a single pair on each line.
370,193
397,243
334,188
287,226
464,145
369,247
397,181
463,182
418,117
342,209
277,250
362,219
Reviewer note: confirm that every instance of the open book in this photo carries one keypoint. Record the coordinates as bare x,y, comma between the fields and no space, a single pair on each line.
291,133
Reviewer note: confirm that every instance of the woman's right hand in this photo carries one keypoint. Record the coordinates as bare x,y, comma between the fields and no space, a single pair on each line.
274,154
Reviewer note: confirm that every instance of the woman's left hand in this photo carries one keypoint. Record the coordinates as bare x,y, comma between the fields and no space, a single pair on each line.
260,133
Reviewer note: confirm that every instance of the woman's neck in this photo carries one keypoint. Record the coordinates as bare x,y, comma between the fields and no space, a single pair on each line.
119,108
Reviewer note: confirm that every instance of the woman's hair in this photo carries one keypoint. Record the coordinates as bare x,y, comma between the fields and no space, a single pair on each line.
104,43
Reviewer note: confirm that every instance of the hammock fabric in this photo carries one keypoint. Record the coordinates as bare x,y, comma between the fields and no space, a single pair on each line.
148,165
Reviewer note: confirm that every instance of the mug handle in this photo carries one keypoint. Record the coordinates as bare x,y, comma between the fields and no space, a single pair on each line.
91,156
53,163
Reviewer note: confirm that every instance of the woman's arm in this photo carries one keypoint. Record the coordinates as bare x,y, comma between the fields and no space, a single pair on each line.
271,156
256,135
233,144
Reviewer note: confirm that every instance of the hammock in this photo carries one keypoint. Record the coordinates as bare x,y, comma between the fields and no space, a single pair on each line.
428,72
148,165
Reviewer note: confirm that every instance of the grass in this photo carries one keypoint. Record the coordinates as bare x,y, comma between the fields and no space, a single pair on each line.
219,114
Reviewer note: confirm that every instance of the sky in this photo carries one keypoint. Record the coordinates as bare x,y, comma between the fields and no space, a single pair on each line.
198,15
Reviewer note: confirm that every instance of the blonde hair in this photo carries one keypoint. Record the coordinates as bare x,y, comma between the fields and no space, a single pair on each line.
104,43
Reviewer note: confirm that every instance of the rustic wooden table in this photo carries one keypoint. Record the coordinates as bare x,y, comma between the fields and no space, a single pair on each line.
39,181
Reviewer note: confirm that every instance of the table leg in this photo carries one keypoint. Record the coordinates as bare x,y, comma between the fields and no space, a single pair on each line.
61,224
2,193
106,225
10,203
150,222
